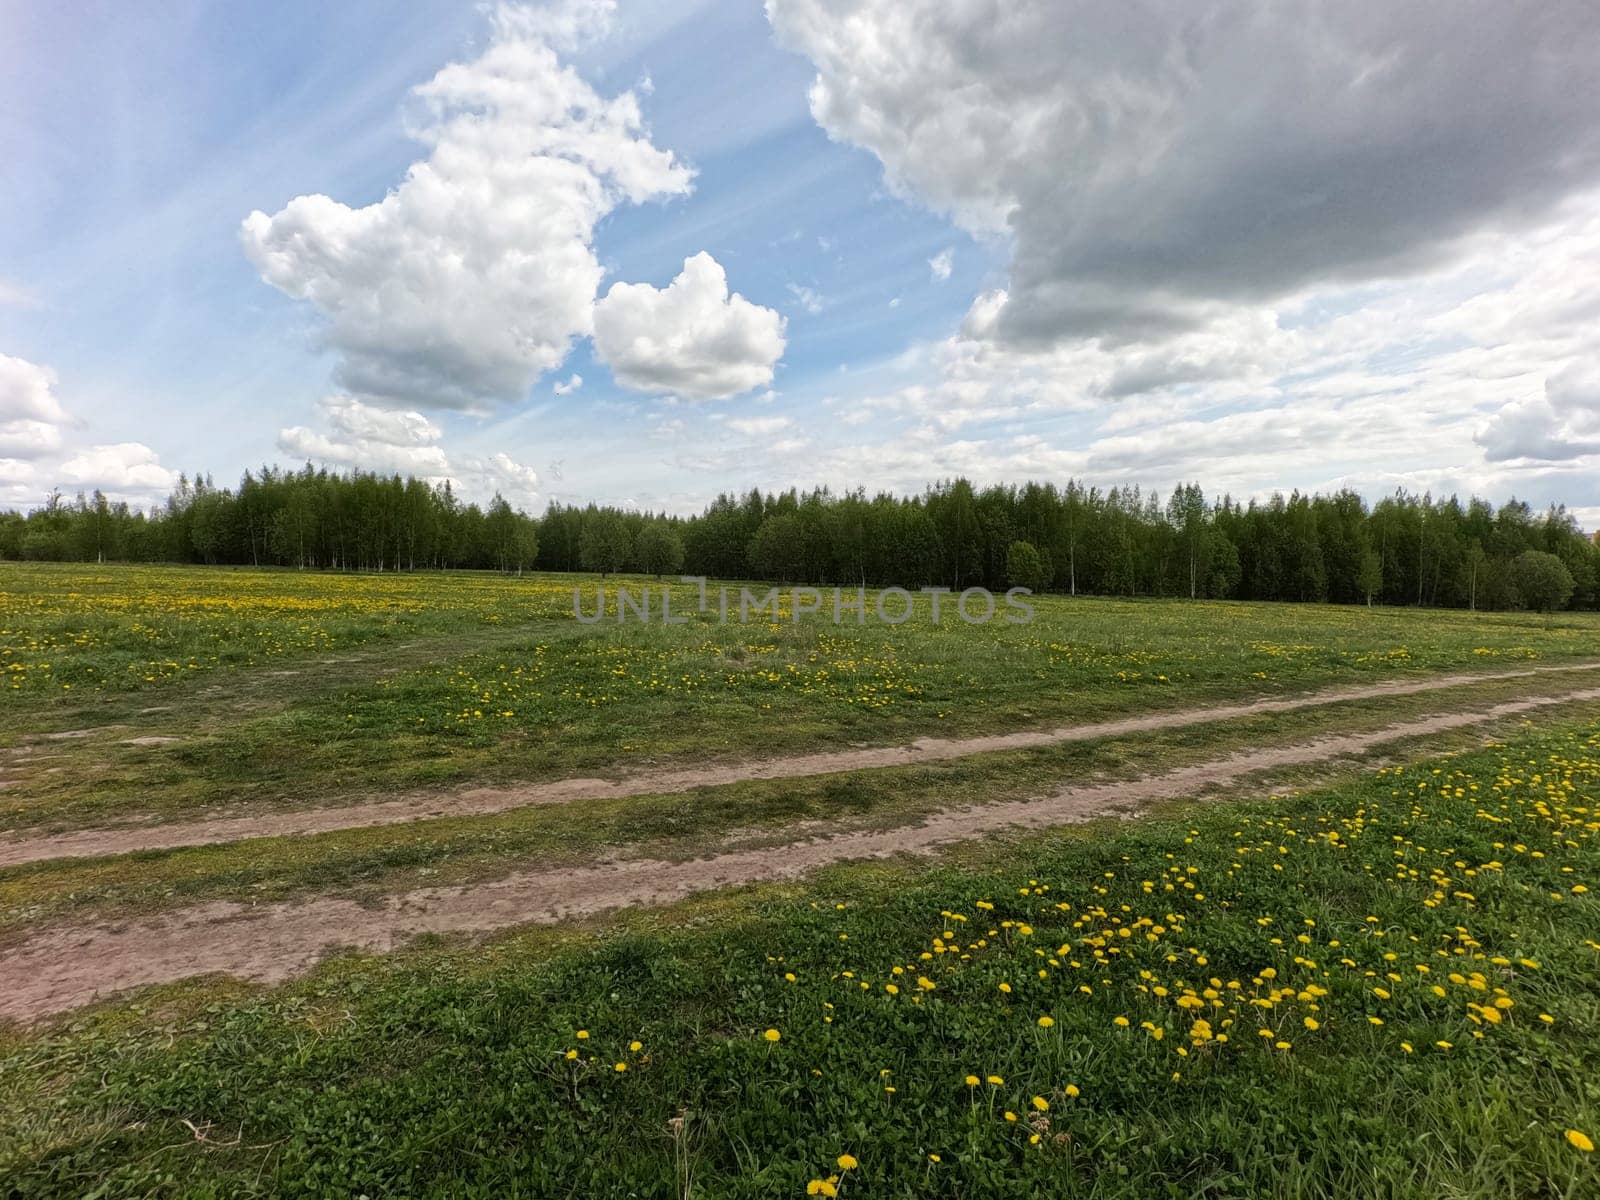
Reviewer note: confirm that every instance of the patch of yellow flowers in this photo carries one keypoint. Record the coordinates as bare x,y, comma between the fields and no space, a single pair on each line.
1055,952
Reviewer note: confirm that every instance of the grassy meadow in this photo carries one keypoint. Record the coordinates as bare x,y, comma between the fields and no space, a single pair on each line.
1386,986
1283,991
165,690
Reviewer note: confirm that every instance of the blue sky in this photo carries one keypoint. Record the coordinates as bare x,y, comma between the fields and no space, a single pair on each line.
137,138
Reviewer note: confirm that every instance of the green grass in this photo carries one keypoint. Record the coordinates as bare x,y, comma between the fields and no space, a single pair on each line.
285,689
68,627
446,1072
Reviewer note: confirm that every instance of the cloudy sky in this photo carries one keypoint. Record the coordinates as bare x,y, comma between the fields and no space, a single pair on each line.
644,252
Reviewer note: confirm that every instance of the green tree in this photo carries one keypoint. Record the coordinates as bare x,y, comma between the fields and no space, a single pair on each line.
13,528
606,543
1473,568
1222,576
1025,566
777,549
512,536
1543,581
659,549
1186,512
1369,575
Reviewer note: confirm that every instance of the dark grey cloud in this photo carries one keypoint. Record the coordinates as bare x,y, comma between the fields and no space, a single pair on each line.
1160,371
1158,163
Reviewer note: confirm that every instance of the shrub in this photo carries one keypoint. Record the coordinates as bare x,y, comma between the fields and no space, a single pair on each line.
1543,581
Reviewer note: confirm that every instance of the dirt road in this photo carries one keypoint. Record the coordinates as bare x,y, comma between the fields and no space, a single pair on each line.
61,968
27,846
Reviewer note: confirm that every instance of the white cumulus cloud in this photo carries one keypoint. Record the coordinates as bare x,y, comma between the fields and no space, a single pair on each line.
30,415
475,273
28,439
123,468
37,451
690,338
499,473
27,392
1560,424
367,437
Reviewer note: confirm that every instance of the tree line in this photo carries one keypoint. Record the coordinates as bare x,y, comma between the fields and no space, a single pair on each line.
317,519
1404,549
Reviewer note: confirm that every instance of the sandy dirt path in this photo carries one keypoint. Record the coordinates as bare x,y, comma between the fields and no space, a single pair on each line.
27,846
64,967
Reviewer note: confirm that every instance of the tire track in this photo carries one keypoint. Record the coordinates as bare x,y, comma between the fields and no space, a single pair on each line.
27,846
61,968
